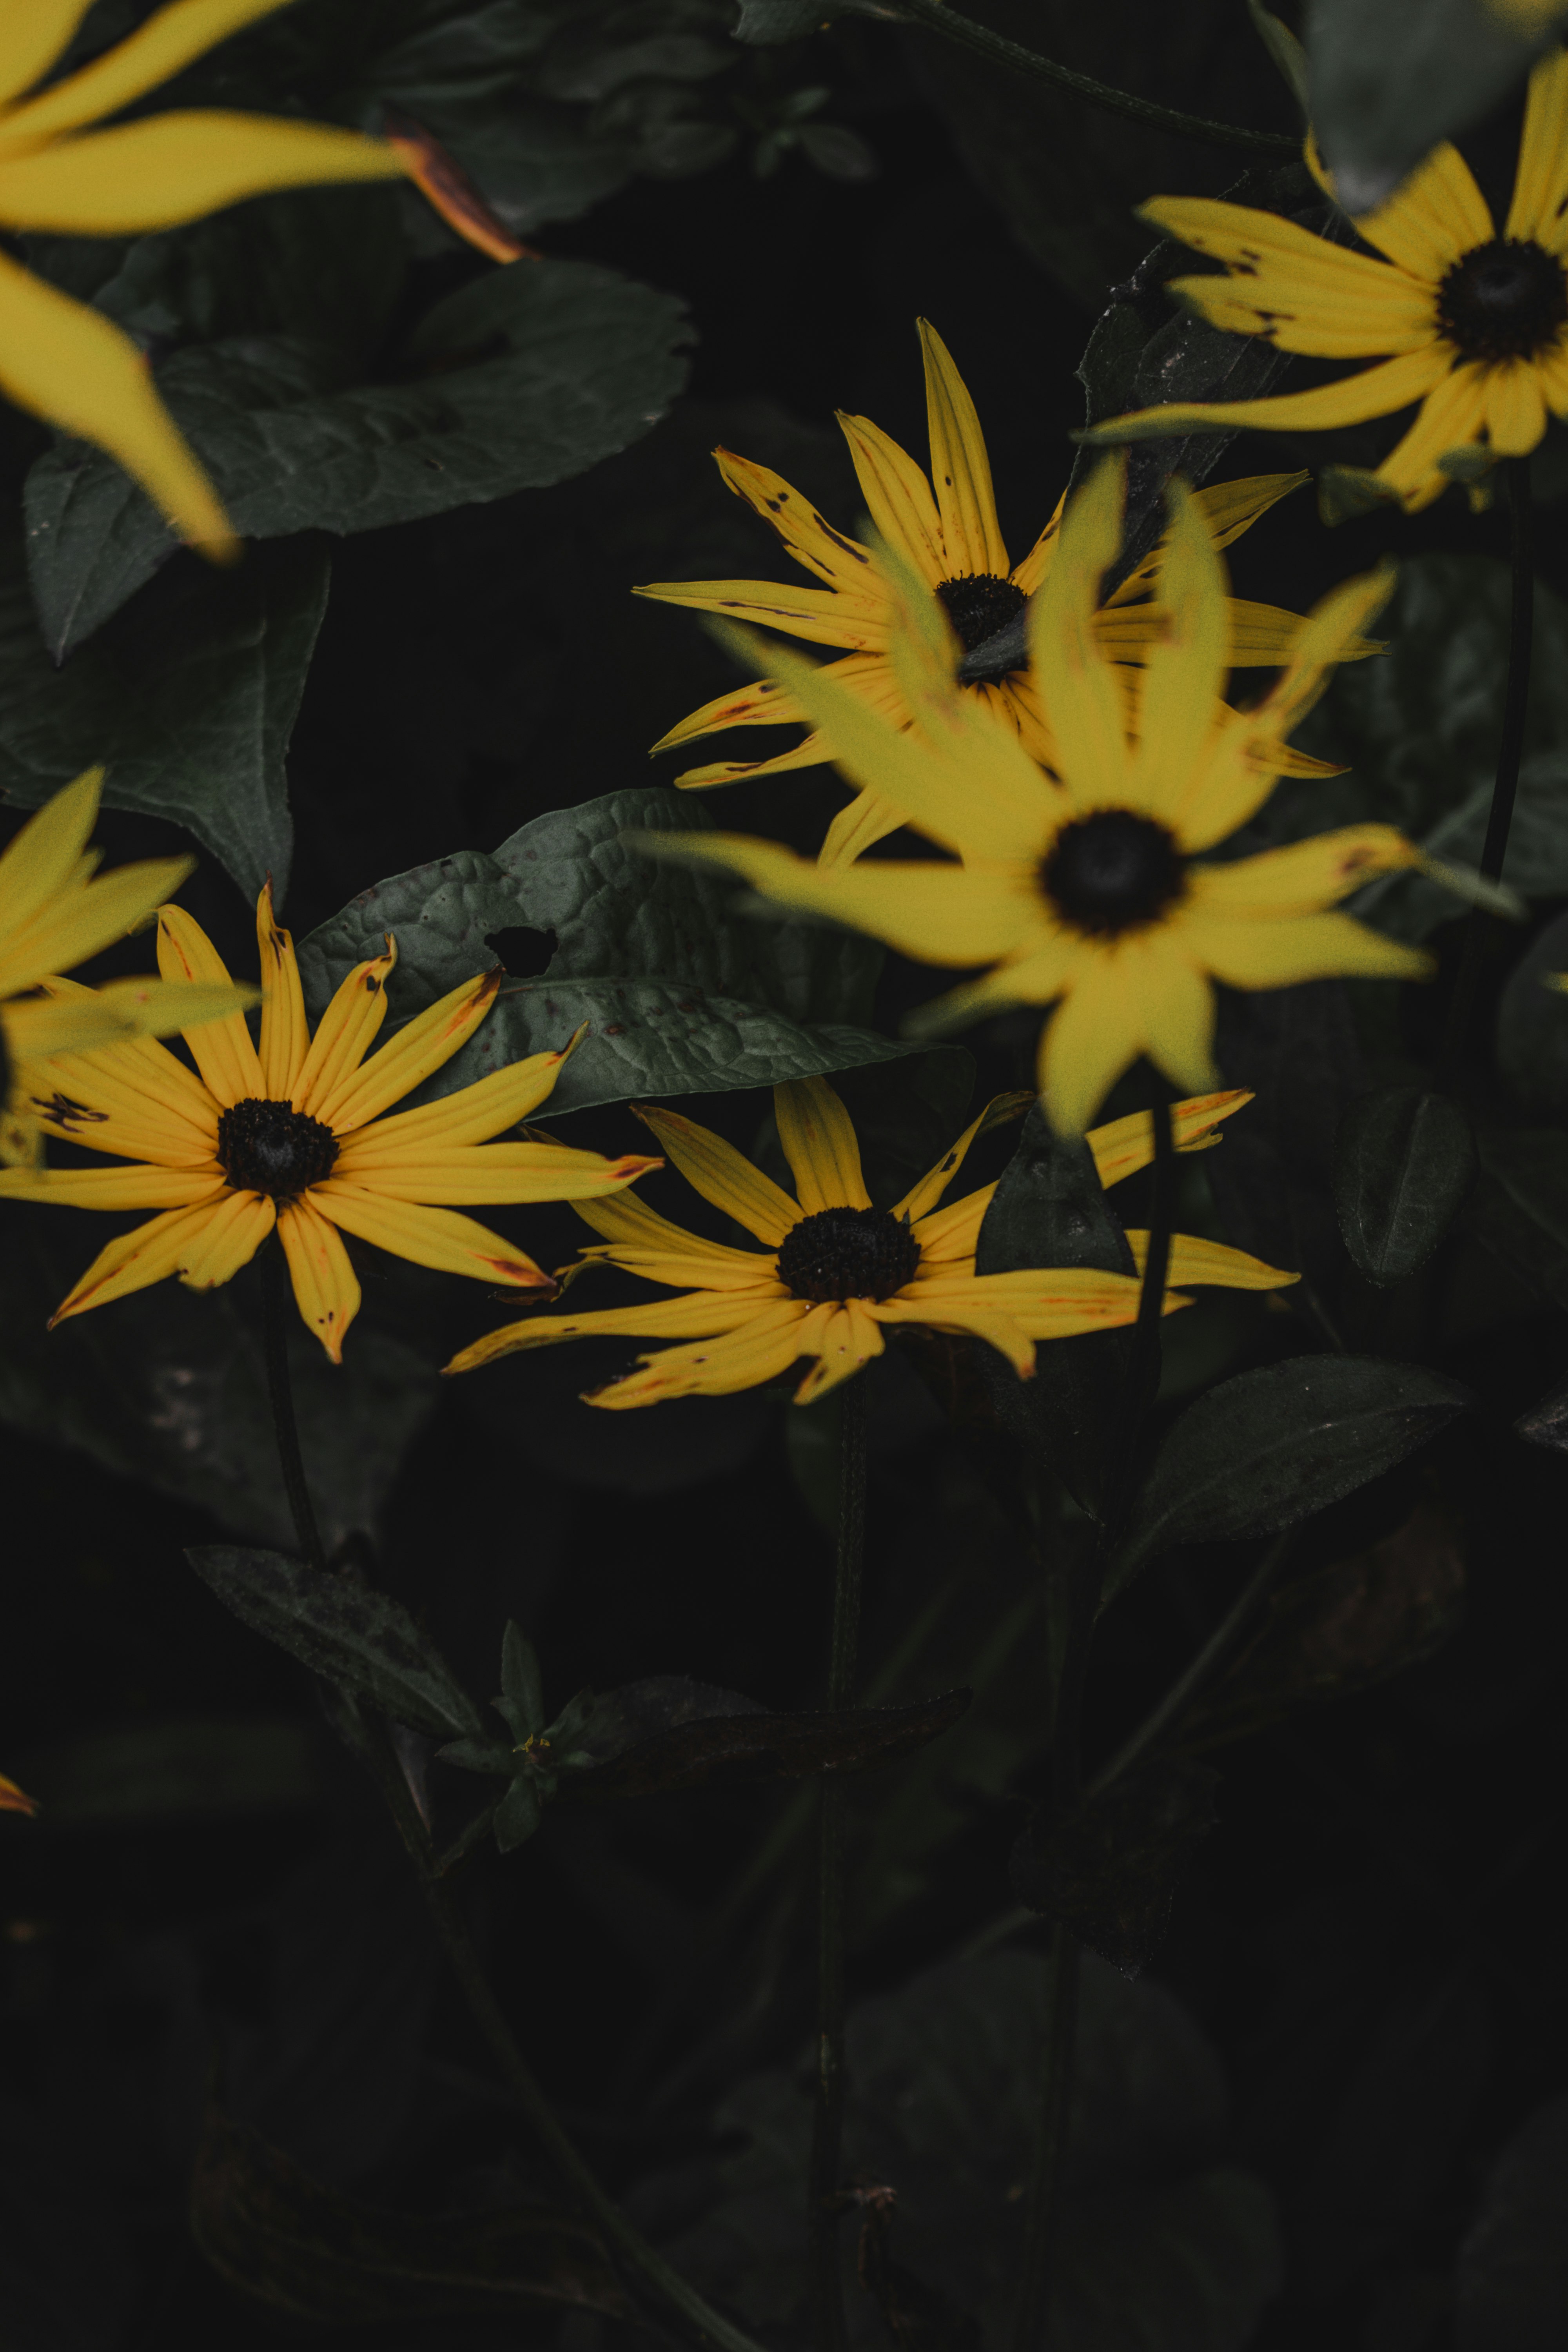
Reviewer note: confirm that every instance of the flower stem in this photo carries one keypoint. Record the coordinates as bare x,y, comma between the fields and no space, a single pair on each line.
827,2114
669,2300
936,17
1516,699
1140,1385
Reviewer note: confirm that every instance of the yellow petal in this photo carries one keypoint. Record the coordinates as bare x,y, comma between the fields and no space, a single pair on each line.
173,168
222,1050
113,1188
472,1115
72,367
469,1175
1437,215
235,1230
347,1029
705,1315
1032,977
1541,178
1278,952
822,615
898,496
1515,408
1451,416
634,1229
31,38
1301,292
132,1261
12,1799
285,1032
1079,684
169,41
846,1344
721,1174
921,1198
1126,1145
1184,674
1306,875
961,470
39,860
764,1348
859,827
818,1139
43,1027
422,1046
326,1288
1141,993
1194,1261
1028,574
843,562
760,704
1373,392
434,1237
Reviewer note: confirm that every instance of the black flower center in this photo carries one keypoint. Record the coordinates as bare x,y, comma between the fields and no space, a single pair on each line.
848,1253
1504,300
979,603
1112,872
269,1146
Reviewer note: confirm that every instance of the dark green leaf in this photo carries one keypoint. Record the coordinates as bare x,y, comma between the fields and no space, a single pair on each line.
1521,1205
1391,77
1403,1161
169,1770
1050,1209
1340,1628
918,2318
1533,1023
527,376
270,2231
345,1631
680,995
1270,1447
1512,2282
517,1816
189,699
769,21
1111,1871
521,1701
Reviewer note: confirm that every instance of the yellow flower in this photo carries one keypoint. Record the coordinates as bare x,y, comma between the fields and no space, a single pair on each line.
59,358
53,915
287,1133
954,543
835,1272
1472,325
1088,888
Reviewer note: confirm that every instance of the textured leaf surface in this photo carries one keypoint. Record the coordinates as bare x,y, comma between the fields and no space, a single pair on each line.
1404,1159
682,1735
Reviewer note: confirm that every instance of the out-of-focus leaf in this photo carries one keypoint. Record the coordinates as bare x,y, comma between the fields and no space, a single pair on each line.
189,701
1111,1871
1340,1628
169,1770
770,21
344,1631
1404,1159
1270,1447
1520,1206
1388,79
270,2231
1160,2243
525,377
1533,1023
918,2317
680,994
1512,2284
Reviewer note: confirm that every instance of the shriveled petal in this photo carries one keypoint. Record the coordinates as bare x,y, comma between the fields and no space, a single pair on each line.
898,496
132,1261
764,1348
1080,686
818,1138
326,1287
702,1314
1371,392
1194,1261
235,1230
173,168
824,617
1541,178
961,470
813,543
222,1050
422,1046
441,1238
78,370
722,1176
157,50
285,1032
921,1198
346,1032
470,1174
1126,1145
1282,281
844,1345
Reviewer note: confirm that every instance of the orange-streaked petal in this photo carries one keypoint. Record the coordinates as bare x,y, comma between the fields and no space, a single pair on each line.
348,1028
132,1261
222,1050
722,1176
1195,1260
1126,1145
326,1288
441,1238
422,1046
285,1032
961,470
703,1314
472,1175
237,1226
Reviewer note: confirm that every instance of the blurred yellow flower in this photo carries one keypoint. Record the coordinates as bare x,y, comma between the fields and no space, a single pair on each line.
835,1272
59,358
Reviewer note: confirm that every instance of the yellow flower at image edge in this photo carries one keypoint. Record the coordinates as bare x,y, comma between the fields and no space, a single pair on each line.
1470,324
838,1272
951,538
1088,889
59,358
287,1133
55,914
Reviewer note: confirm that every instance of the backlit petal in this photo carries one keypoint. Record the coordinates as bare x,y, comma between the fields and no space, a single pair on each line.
222,1050
41,859
818,1138
113,1188
1450,419
722,1176
857,827
31,38
1302,292
326,1288
1437,215
961,470
1028,574
468,1175
78,922
1183,673
1303,877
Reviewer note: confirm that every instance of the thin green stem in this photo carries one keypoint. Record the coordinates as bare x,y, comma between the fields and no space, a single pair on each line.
936,17
276,1310
1516,700
823,2216
1140,1385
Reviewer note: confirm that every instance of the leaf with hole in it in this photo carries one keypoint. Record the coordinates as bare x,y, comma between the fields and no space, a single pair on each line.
1404,1159
1268,1449
273,2233
1111,1871
344,1631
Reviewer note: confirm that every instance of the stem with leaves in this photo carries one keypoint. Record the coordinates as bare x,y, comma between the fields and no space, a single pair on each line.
664,2294
1140,1383
828,2113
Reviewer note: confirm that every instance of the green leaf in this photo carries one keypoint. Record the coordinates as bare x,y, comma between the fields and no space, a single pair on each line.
1520,1206
169,1770
189,699
526,376
1111,1871
1533,1023
768,22
1049,1208
679,993
521,1701
1403,1161
270,2231
343,1631
518,1814
1391,77
1269,1448
1510,2284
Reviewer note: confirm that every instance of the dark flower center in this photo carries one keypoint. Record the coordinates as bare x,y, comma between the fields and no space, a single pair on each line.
269,1146
848,1253
1112,872
1504,300
979,603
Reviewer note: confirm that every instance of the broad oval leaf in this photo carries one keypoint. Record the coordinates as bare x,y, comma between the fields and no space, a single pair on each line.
1404,1159
344,1631
1111,1871
1270,1447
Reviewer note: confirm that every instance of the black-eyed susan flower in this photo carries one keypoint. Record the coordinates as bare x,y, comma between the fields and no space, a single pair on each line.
1091,890
285,1133
1469,324
53,914
59,358
833,1274
949,538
